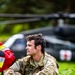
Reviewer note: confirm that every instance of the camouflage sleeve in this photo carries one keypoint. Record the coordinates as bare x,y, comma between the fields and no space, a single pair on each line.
50,68
14,68
19,64
11,72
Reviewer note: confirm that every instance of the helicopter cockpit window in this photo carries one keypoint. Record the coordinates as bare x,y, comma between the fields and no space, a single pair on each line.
19,45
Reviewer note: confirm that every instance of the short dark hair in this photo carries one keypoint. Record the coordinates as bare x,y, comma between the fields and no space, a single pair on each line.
39,40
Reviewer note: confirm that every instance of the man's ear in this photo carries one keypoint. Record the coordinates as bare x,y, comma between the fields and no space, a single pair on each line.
39,47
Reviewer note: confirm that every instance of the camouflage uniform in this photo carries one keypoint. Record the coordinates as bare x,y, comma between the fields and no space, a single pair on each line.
26,66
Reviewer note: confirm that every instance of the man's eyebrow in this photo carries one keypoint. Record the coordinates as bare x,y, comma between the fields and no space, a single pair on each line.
28,44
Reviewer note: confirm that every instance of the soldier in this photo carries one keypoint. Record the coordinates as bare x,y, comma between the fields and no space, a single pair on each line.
37,61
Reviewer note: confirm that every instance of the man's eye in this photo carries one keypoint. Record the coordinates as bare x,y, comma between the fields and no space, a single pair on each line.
29,45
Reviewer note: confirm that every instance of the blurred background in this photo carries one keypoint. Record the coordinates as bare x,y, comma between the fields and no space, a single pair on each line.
55,19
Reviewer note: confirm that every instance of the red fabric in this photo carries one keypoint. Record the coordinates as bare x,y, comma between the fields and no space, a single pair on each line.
1,43
9,59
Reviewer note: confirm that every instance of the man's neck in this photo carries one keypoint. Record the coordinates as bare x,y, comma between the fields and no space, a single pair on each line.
37,57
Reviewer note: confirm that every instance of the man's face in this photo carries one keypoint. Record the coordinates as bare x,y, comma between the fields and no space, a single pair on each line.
31,50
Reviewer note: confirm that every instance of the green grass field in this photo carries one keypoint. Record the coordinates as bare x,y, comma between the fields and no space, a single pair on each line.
66,68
